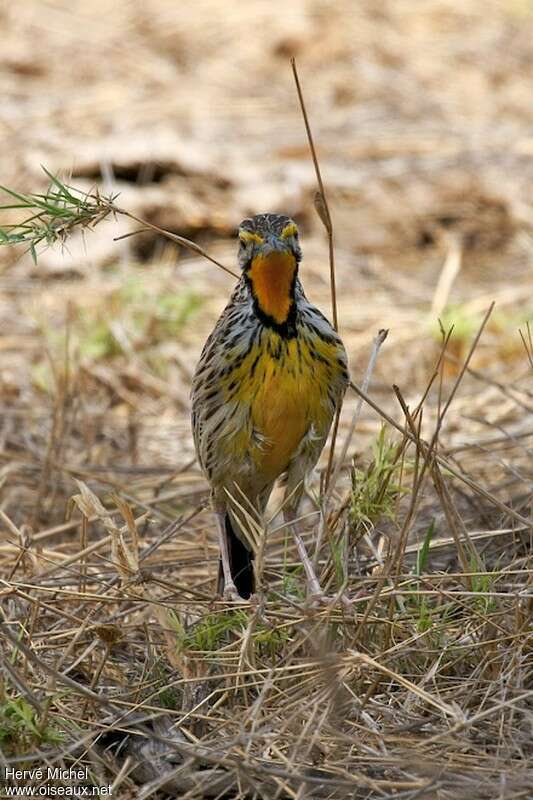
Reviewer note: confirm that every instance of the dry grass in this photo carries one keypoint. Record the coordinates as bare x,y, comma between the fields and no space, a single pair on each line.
117,655
115,652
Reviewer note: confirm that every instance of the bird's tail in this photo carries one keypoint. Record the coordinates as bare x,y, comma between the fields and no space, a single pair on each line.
241,564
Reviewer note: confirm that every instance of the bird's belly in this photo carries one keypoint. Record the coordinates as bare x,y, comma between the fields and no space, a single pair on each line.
281,396
289,399
280,418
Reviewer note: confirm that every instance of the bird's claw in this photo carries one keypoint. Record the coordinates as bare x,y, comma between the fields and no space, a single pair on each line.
230,594
319,599
316,599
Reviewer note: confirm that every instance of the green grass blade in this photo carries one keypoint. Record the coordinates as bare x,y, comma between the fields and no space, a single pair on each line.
63,189
423,553
24,199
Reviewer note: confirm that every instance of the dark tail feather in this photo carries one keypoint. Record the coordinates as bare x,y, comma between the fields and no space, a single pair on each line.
241,564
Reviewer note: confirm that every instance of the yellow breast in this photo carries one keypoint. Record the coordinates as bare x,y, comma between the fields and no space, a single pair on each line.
281,414
284,384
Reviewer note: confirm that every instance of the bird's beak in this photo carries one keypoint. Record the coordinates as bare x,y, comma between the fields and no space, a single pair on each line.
273,244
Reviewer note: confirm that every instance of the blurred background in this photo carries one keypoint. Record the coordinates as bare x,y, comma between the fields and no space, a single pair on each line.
423,120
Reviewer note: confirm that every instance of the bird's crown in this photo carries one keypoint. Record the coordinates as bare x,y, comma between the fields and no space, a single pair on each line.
276,224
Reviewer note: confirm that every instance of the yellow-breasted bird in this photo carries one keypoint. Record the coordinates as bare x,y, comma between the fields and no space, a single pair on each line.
265,391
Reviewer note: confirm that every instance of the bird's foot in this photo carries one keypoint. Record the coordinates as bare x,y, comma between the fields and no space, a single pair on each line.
231,595
318,599
256,601
321,600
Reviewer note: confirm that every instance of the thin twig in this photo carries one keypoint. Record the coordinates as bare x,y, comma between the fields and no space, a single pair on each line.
527,341
449,272
181,240
376,346
322,209
321,203
330,484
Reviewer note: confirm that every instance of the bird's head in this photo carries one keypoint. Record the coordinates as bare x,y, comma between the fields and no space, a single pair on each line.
269,254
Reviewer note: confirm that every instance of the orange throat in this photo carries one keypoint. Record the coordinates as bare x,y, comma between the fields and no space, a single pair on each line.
272,279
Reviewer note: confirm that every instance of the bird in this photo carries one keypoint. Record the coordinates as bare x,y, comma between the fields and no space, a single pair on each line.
270,378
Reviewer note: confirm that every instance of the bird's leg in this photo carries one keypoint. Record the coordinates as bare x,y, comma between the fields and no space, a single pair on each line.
230,590
312,580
